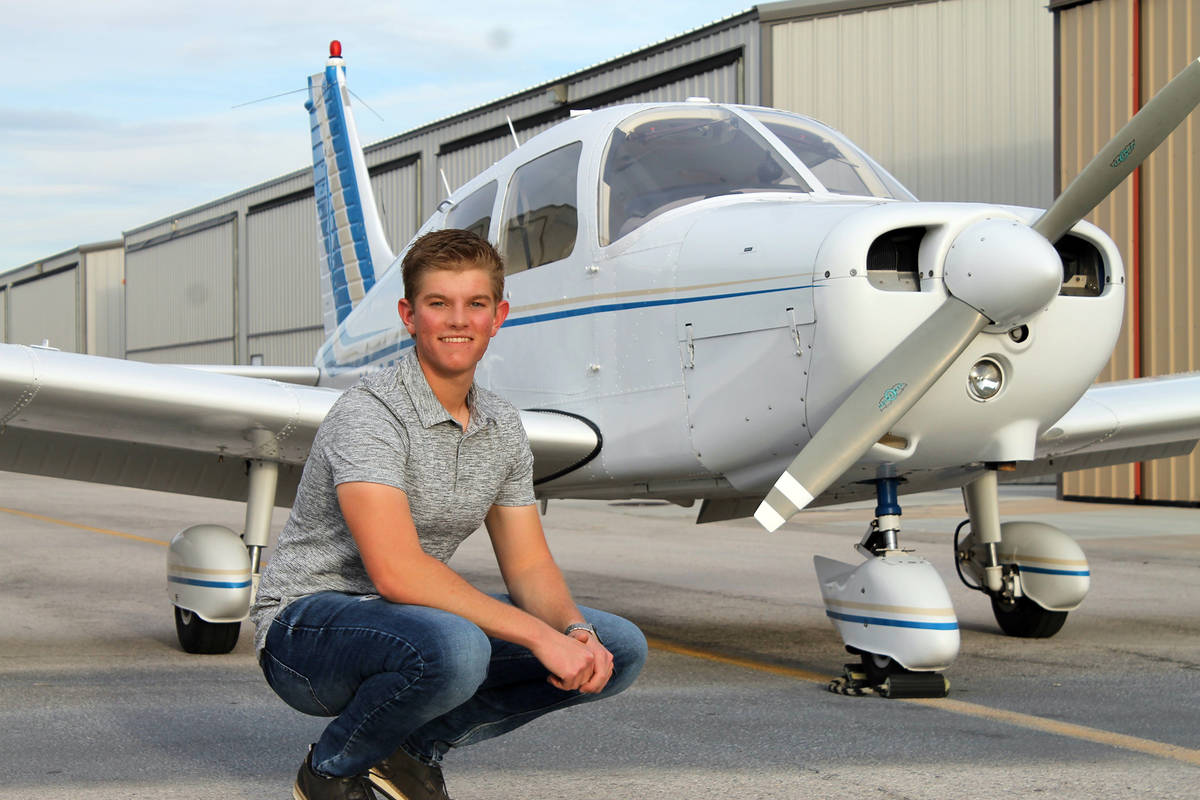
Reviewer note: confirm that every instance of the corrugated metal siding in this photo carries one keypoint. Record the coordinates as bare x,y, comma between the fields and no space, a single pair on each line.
105,291
460,166
954,97
180,292
1170,234
1096,72
283,278
4,316
721,86
294,348
206,353
398,198
46,308
1097,52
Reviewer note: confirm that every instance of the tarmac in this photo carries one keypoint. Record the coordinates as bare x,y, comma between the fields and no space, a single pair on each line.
98,701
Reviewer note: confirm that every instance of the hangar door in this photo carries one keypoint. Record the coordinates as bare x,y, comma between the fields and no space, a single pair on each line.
179,295
46,308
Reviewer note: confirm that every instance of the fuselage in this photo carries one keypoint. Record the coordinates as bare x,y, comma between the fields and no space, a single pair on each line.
725,278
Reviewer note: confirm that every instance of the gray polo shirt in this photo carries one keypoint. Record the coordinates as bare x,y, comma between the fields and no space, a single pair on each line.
391,429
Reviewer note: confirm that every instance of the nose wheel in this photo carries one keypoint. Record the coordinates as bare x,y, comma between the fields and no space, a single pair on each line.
881,675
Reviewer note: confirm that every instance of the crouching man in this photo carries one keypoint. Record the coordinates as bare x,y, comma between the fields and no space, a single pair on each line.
359,617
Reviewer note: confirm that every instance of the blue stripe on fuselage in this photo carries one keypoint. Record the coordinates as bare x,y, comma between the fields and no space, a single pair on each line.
893,623
333,367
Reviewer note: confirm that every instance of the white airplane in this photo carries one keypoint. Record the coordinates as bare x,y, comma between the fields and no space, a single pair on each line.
709,302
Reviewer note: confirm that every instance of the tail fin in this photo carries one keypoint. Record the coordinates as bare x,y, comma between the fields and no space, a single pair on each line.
353,246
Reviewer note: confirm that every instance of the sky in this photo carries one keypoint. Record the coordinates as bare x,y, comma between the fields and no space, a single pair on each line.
119,113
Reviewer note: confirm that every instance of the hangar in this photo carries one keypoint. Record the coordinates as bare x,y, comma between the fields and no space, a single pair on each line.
991,100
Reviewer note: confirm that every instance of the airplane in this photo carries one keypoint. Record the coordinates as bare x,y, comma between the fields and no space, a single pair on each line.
713,302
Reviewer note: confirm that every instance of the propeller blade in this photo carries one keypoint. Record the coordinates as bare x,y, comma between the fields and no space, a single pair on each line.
1122,155
887,392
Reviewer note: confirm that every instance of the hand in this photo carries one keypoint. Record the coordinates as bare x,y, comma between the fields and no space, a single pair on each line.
571,663
602,661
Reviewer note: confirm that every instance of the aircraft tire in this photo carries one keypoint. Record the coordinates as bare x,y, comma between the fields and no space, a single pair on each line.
202,637
1025,619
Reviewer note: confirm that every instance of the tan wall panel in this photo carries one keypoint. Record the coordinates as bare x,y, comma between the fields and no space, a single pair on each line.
1096,91
1170,234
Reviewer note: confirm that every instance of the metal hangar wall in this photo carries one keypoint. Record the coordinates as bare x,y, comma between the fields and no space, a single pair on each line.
71,301
1113,56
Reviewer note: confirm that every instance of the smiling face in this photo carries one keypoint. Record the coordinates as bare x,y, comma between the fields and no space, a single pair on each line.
452,320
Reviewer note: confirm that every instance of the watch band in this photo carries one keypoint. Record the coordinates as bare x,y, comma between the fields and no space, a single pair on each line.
583,626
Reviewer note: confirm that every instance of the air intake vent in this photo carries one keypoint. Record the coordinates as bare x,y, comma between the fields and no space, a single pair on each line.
1083,267
892,260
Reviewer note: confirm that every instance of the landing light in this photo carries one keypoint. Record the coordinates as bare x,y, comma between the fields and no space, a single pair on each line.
985,379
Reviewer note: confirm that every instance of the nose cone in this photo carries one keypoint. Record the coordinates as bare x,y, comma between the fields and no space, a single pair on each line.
1004,269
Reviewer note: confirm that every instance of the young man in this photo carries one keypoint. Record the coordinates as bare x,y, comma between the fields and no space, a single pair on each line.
358,616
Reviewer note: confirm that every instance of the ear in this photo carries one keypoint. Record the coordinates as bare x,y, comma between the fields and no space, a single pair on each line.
408,316
501,315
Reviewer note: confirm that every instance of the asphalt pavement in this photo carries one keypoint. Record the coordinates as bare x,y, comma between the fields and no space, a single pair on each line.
98,701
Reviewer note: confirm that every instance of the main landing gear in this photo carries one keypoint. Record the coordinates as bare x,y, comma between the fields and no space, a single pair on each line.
1034,573
892,611
212,573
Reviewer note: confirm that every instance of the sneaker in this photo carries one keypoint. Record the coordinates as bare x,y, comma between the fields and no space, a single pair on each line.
313,786
402,777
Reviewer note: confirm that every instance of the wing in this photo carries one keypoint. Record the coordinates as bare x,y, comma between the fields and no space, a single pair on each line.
178,429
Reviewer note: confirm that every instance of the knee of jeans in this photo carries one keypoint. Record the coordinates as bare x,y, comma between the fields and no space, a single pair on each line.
461,659
628,645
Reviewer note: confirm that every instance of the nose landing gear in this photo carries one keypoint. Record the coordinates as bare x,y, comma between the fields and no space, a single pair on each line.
892,610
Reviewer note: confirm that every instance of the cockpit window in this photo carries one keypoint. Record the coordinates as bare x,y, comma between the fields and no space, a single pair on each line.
666,158
475,212
837,164
540,217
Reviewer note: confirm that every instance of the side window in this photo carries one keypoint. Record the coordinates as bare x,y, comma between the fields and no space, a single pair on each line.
475,212
540,217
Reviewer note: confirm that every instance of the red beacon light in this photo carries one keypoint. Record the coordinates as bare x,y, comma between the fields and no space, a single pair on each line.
335,49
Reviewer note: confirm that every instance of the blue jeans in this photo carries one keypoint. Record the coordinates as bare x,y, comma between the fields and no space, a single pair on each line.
417,678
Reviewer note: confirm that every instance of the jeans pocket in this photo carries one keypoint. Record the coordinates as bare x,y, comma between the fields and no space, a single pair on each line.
292,687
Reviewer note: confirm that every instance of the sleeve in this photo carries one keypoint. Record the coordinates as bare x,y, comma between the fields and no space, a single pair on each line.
362,440
517,487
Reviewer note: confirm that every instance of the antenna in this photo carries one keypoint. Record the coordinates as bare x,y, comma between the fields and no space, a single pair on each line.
513,131
445,182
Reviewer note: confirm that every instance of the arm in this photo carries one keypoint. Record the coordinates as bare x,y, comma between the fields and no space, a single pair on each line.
379,519
535,582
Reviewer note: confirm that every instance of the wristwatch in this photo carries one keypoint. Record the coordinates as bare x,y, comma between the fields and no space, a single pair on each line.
582,626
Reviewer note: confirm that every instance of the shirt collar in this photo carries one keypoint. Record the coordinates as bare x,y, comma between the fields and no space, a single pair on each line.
430,410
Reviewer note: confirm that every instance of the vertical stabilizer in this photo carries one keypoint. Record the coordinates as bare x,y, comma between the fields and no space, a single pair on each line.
353,247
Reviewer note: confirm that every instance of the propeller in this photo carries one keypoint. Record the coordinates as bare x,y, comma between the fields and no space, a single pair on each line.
997,272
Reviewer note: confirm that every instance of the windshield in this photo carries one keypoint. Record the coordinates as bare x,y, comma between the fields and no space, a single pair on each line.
665,158
840,166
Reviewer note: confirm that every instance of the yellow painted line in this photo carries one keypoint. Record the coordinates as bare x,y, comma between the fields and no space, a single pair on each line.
1148,746
105,531
759,666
